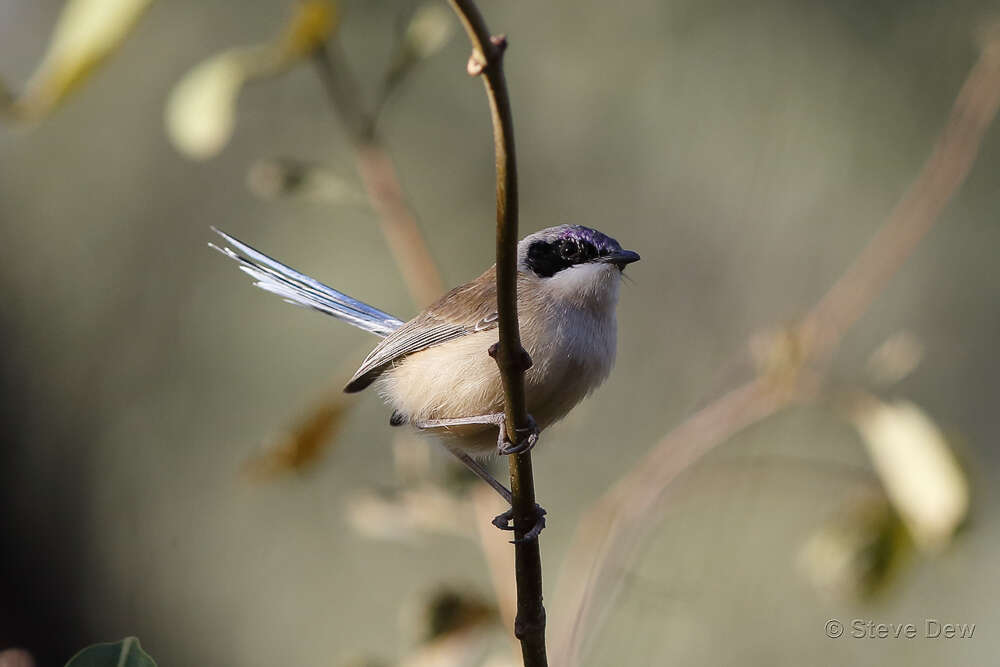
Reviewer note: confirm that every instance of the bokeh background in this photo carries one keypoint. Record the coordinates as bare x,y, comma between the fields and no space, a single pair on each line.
748,152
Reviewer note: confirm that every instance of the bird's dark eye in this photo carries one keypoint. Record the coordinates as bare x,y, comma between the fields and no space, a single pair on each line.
570,250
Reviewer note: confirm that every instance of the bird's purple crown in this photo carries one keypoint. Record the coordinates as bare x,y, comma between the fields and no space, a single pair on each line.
603,243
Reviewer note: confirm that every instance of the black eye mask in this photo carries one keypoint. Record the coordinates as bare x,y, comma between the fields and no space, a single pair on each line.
547,258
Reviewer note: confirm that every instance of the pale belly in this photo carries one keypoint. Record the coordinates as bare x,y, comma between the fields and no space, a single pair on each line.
571,357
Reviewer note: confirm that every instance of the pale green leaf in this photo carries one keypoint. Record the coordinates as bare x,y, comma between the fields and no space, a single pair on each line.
86,33
201,109
918,469
126,653
429,30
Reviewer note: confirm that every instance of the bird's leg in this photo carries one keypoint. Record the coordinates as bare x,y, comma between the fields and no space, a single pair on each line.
496,419
529,433
502,521
482,473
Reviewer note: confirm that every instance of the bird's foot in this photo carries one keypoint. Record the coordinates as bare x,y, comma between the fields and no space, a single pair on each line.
505,522
528,438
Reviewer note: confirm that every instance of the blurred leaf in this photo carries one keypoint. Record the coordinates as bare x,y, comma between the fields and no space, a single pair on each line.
448,610
305,443
918,468
271,179
411,456
126,653
86,33
896,358
462,649
501,660
380,517
201,110
853,554
428,31
430,28
409,514
362,661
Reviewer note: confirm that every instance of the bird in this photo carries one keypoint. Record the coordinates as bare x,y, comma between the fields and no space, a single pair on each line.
434,370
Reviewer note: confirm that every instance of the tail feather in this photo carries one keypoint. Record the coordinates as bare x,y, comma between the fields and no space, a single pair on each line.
301,290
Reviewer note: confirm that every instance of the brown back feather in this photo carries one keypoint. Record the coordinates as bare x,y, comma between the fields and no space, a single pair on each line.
469,308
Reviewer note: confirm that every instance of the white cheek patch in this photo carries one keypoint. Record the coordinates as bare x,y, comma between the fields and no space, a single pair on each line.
594,282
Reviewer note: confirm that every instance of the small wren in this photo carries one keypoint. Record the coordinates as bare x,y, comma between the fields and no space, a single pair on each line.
434,370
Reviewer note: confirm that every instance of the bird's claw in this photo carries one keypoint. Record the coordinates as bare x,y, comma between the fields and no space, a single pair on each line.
505,522
528,439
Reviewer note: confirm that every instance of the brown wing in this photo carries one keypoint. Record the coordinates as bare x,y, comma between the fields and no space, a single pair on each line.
469,308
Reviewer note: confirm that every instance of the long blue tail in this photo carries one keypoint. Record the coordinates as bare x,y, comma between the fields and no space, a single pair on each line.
301,290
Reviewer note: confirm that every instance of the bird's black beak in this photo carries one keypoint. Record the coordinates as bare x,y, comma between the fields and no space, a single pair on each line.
620,259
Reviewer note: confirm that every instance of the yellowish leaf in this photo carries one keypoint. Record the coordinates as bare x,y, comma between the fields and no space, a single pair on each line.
854,553
201,111
918,469
86,33
304,444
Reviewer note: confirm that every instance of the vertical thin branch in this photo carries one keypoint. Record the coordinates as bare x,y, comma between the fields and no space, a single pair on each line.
499,559
486,60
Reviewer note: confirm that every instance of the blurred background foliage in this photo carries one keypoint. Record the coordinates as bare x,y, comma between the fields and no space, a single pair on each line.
748,153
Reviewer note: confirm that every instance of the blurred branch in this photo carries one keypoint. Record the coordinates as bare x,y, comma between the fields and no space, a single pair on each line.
945,170
428,30
617,524
300,179
499,558
397,222
6,100
487,60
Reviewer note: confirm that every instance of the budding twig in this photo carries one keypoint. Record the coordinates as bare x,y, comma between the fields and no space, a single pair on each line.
487,52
